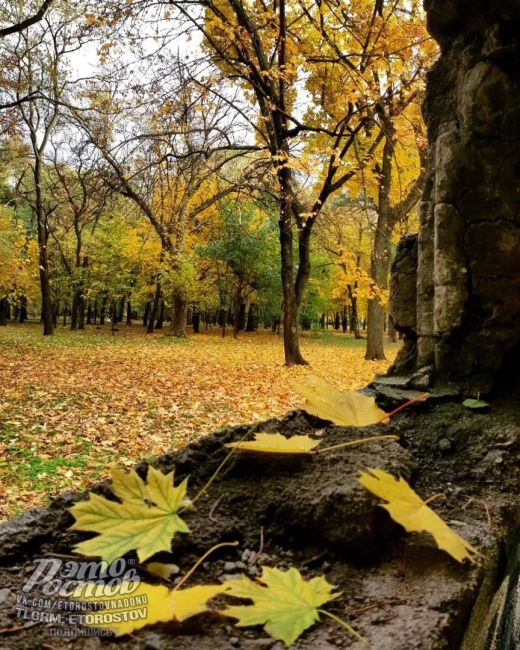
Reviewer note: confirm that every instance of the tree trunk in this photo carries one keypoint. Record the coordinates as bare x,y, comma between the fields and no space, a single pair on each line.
121,310
160,317
89,313
128,312
380,257
45,289
196,321
3,311
239,312
146,314
81,313
379,274
102,311
23,310
65,315
113,316
291,333
41,222
179,312
242,317
75,310
55,313
251,319
292,290
344,323
222,321
155,308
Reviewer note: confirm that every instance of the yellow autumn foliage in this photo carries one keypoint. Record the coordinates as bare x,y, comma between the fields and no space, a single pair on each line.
407,508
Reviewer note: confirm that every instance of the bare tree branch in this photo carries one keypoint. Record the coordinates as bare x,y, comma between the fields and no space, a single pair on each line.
27,22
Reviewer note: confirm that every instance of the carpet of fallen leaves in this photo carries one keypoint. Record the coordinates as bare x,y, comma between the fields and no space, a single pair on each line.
75,404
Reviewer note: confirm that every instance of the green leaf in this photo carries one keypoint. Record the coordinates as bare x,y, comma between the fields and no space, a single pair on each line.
285,603
145,521
475,404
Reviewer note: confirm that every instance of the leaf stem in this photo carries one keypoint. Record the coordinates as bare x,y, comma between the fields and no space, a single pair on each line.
199,562
344,624
420,398
355,442
439,495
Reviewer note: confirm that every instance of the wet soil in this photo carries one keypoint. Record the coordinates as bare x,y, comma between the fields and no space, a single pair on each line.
398,590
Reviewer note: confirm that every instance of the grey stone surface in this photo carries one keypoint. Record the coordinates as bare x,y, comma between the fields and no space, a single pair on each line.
467,305
389,398
403,300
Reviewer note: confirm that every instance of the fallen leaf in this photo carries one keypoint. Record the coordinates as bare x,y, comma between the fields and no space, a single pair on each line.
475,404
160,605
145,521
275,443
408,509
343,407
285,604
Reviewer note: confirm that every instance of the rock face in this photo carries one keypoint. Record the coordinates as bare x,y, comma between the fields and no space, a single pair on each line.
398,590
403,300
468,261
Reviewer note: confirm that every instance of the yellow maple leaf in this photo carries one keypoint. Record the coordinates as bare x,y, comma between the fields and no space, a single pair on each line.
275,443
145,521
145,605
408,509
343,407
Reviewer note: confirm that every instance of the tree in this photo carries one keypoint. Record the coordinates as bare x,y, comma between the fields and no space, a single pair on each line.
389,214
39,75
243,260
347,234
19,263
82,197
171,167
343,56
9,12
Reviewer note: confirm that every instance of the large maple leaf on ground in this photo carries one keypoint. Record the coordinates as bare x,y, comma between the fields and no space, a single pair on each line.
285,603
144,521
342,407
